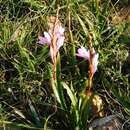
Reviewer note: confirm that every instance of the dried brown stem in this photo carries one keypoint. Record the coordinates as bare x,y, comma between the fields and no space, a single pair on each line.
90,80
54,40
69,21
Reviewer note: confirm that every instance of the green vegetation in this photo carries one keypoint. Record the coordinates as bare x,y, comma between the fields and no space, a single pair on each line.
29,95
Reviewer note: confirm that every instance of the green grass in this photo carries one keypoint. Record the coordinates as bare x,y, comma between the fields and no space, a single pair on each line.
29,97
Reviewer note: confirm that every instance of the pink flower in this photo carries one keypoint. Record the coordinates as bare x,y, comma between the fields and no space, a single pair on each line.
46,39
84,53
48,36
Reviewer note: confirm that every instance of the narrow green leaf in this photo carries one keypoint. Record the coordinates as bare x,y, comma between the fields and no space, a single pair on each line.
59,86
18,125
83,25
34,114
53,82
70,94
86,108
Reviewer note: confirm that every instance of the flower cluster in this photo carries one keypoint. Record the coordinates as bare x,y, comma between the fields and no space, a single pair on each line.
58,33
84,53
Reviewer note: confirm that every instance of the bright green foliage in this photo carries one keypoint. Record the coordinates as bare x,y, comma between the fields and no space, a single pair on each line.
29,96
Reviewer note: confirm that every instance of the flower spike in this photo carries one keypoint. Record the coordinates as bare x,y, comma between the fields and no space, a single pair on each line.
58,35
84,53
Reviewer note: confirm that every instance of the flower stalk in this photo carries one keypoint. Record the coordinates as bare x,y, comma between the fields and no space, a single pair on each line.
92,57
53,45
91,68
54,38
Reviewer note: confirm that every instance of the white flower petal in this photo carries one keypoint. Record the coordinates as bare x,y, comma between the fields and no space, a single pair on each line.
95,61
61,30
48,37
52,54
60,42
